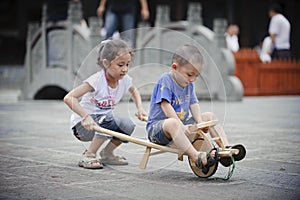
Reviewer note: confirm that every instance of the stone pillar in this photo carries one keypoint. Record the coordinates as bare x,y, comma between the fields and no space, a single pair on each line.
75,12
95,24
195,14
162,15
219,29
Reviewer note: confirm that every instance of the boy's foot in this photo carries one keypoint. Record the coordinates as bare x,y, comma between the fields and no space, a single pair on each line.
212,159
89,161
111,159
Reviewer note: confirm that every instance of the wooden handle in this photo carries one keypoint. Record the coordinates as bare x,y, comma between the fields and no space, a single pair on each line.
207,124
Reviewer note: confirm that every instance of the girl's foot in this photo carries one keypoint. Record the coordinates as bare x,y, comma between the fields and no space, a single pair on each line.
111,159
89,161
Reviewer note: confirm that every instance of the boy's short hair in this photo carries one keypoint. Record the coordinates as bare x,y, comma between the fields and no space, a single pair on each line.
187,54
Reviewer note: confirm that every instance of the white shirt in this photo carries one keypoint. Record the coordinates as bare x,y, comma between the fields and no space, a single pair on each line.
232,42
266,50
103,99
281,27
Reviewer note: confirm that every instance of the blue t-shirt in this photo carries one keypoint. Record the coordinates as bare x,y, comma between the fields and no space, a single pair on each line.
180,99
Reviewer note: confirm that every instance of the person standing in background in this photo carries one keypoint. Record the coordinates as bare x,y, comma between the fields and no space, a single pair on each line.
122,14
231,36
279,30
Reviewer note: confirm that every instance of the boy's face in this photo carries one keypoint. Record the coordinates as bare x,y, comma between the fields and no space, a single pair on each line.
186,74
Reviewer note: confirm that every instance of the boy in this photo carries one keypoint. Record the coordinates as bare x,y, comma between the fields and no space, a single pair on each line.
172,99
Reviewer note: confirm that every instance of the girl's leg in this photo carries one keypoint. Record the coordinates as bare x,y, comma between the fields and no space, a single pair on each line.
122,125
112,145
96,144
216,131
89,159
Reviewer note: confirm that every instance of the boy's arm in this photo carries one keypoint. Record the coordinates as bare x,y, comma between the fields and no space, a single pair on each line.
169,110
196,112
138,102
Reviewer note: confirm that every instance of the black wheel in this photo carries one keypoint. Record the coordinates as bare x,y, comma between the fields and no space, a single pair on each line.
226,161
242,152
201,145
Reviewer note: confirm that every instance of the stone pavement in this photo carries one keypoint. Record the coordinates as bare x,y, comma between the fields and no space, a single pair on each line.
39,155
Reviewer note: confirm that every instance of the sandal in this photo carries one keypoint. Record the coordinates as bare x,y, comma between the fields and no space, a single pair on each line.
111,159
210,160
89,161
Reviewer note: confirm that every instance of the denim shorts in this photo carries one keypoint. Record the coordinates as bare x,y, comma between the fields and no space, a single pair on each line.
157,135
121,125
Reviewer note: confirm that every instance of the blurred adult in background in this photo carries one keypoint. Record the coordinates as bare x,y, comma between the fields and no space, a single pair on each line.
264,49
279,30
231,36
122,14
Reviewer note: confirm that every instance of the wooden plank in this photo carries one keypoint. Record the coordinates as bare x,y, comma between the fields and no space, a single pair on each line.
135,140
207,124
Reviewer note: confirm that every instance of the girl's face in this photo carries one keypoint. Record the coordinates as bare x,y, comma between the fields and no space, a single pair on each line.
185,74
118,67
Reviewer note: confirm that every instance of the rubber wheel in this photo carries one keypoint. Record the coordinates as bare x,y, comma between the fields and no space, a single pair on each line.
199,146
242,152
226,161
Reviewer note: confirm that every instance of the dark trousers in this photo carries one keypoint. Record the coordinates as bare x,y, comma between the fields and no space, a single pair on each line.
281,54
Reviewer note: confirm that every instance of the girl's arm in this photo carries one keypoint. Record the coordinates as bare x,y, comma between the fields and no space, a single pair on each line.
71,99
138,102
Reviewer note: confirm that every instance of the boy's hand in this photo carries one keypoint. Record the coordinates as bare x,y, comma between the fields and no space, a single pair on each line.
192,128
205,130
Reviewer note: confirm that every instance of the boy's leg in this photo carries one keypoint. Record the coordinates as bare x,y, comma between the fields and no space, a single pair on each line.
176,131
216,131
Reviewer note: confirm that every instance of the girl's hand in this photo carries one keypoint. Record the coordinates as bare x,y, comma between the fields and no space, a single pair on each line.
142,115
88,123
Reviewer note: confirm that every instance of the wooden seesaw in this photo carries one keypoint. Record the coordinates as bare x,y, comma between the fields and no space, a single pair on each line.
200,142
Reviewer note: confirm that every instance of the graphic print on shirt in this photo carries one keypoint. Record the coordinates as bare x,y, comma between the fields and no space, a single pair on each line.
105,103
177,103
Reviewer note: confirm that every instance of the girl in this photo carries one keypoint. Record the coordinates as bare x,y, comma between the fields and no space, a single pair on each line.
100,93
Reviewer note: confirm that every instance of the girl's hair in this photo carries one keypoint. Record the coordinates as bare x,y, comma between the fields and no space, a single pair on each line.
110,49
187,54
